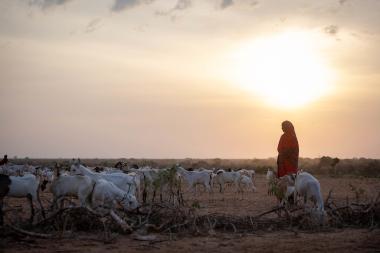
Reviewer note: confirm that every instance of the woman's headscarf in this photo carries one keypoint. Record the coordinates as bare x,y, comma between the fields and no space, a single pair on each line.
288,127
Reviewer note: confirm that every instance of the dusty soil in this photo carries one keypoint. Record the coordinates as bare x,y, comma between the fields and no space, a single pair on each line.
348,240
333,240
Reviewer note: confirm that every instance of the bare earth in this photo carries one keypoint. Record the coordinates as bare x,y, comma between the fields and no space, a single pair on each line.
336,240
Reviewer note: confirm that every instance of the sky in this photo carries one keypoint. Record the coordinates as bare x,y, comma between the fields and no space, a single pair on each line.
188,78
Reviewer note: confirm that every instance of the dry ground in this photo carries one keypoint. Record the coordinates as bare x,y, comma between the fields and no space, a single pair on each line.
337,240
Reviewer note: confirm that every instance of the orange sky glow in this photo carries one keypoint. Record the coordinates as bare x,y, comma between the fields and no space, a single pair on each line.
188,78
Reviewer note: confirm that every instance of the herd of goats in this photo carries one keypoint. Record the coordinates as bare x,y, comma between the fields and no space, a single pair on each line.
131,186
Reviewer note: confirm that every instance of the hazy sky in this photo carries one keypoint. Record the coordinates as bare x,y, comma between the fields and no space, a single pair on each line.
162,78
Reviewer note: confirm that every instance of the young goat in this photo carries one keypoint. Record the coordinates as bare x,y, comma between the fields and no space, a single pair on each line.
282,188
20,187
285,187
308,187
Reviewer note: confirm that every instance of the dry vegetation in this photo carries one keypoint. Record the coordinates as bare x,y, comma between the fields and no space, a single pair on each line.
350,189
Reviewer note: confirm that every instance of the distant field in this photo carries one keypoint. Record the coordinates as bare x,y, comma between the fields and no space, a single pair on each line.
321,166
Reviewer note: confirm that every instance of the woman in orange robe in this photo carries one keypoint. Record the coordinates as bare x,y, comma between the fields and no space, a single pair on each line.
288,151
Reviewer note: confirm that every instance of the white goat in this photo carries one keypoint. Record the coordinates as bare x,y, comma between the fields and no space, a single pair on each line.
282,188
249,173
153,180
307,186
222,177
20,187
144,178
110,170
121,180
17,170
192,178
285,186
137,178
270,175
107,193
246,182
77,186
46,176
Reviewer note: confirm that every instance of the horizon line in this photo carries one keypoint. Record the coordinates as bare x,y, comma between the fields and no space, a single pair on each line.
186,158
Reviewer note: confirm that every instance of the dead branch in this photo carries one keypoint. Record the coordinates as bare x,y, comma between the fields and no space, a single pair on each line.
268,212
167,217
119,221
149,238
33,234
328,197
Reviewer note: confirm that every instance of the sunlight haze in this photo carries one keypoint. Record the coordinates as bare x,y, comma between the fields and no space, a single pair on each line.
188,78
286,65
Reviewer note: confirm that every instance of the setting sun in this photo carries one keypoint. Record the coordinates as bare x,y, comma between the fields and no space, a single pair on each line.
285,70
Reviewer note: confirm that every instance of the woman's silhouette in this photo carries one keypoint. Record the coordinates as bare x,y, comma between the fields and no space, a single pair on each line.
288,151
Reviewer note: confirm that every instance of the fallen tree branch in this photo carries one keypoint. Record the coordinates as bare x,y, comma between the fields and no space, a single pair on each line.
268,212
121,222
33,234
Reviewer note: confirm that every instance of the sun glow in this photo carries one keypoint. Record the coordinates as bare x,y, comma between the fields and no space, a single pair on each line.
285,70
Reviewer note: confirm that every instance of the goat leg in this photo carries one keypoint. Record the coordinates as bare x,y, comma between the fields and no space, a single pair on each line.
41,206
31,207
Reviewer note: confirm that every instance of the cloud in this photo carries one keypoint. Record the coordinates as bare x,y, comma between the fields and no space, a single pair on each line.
92,25
331,30
254,3
121,5
223,4
182,5
179,6
44,4
226,3
341,2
